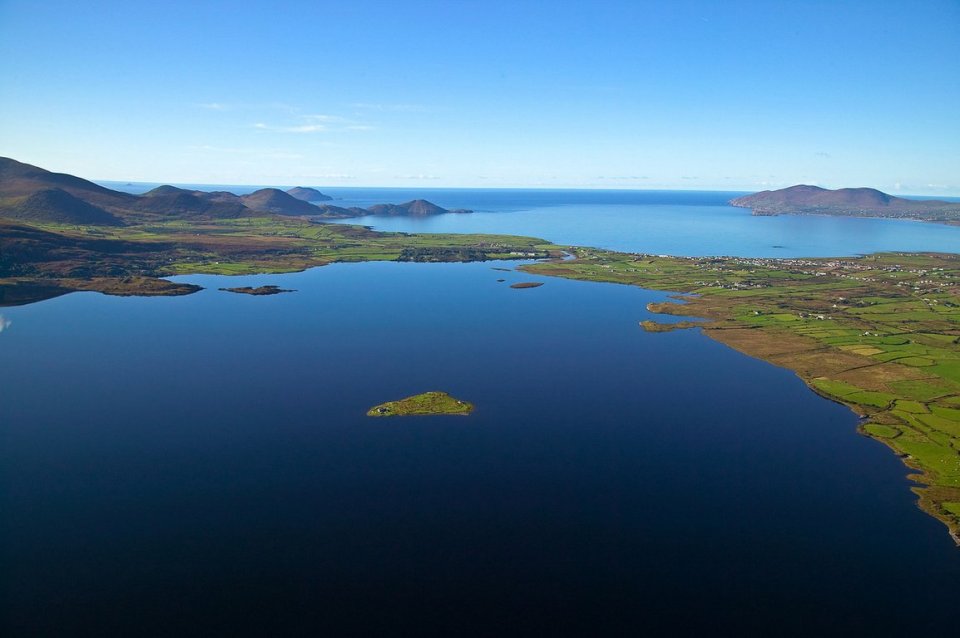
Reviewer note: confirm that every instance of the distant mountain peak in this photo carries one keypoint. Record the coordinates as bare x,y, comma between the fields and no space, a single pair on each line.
308,194
850,202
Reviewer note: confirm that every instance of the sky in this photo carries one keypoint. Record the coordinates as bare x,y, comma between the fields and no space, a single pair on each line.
638,95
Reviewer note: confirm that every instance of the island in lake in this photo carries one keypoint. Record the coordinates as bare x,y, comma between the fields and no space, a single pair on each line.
259,291
847,202
426,404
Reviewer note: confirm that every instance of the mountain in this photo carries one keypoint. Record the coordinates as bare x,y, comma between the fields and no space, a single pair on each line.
851,202
415,208
19,180
308,194
170,200
59,206
274,200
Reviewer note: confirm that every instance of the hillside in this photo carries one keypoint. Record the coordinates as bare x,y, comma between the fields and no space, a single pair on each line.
853,202
59,207
19,180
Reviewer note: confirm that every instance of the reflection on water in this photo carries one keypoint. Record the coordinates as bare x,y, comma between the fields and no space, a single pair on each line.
4,323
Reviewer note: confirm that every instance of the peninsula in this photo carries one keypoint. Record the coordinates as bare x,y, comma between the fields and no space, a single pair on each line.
426,404
847,202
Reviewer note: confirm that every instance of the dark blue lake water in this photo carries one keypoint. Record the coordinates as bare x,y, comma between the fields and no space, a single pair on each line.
203,466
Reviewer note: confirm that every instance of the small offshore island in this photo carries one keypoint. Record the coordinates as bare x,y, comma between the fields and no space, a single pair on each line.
426,404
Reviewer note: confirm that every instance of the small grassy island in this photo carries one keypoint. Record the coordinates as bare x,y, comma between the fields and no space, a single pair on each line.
426,404
527,284
258,291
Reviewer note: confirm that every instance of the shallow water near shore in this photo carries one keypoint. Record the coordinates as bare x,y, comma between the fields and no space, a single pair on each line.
204,464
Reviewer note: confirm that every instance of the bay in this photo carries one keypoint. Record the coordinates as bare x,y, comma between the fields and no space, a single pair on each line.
683,223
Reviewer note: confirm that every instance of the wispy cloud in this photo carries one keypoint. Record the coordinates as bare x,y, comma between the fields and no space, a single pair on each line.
418,176
317,123
301,128
823,154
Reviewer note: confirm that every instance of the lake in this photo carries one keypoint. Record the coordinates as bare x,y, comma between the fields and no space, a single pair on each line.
204,465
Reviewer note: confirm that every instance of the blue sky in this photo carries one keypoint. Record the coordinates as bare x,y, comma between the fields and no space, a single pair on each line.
697,95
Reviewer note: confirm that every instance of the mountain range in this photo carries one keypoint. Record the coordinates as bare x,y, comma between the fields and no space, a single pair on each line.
32,194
